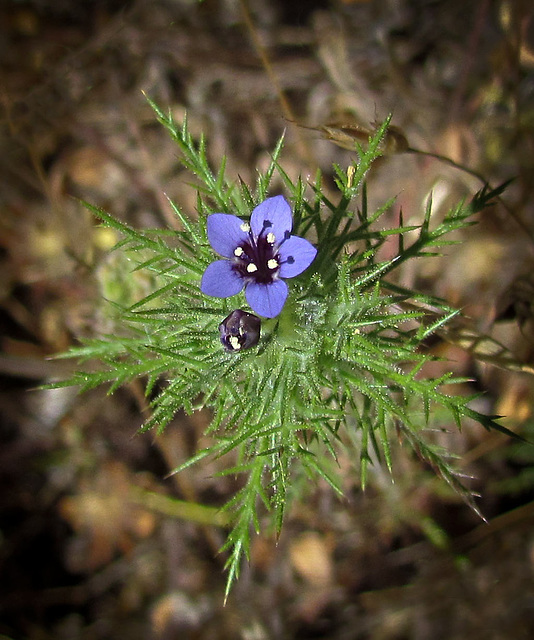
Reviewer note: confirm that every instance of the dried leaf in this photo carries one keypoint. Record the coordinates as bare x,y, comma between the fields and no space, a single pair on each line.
104,520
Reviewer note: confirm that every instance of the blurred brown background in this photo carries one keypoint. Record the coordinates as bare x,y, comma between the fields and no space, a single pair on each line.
93,544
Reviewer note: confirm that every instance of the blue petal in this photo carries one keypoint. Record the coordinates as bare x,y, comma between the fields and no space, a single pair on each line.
220,280
277,212
296,255
225,233
267,299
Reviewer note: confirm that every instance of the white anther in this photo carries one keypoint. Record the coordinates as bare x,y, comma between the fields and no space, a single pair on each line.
245,227
271,237
251,267
272,263
234,343
238,252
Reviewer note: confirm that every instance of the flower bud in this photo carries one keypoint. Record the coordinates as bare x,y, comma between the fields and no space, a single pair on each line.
240,330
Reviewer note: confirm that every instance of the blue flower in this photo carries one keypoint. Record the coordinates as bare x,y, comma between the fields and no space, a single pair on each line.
258,256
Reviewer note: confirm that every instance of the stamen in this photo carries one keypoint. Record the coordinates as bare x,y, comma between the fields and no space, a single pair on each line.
251,267
234,342
272,263
238,252
290,260
245,227
270,237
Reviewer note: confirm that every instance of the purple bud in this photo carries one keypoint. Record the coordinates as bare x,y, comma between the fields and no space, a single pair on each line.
240,330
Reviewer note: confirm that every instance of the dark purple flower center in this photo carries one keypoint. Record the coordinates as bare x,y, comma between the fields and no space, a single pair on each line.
257,258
